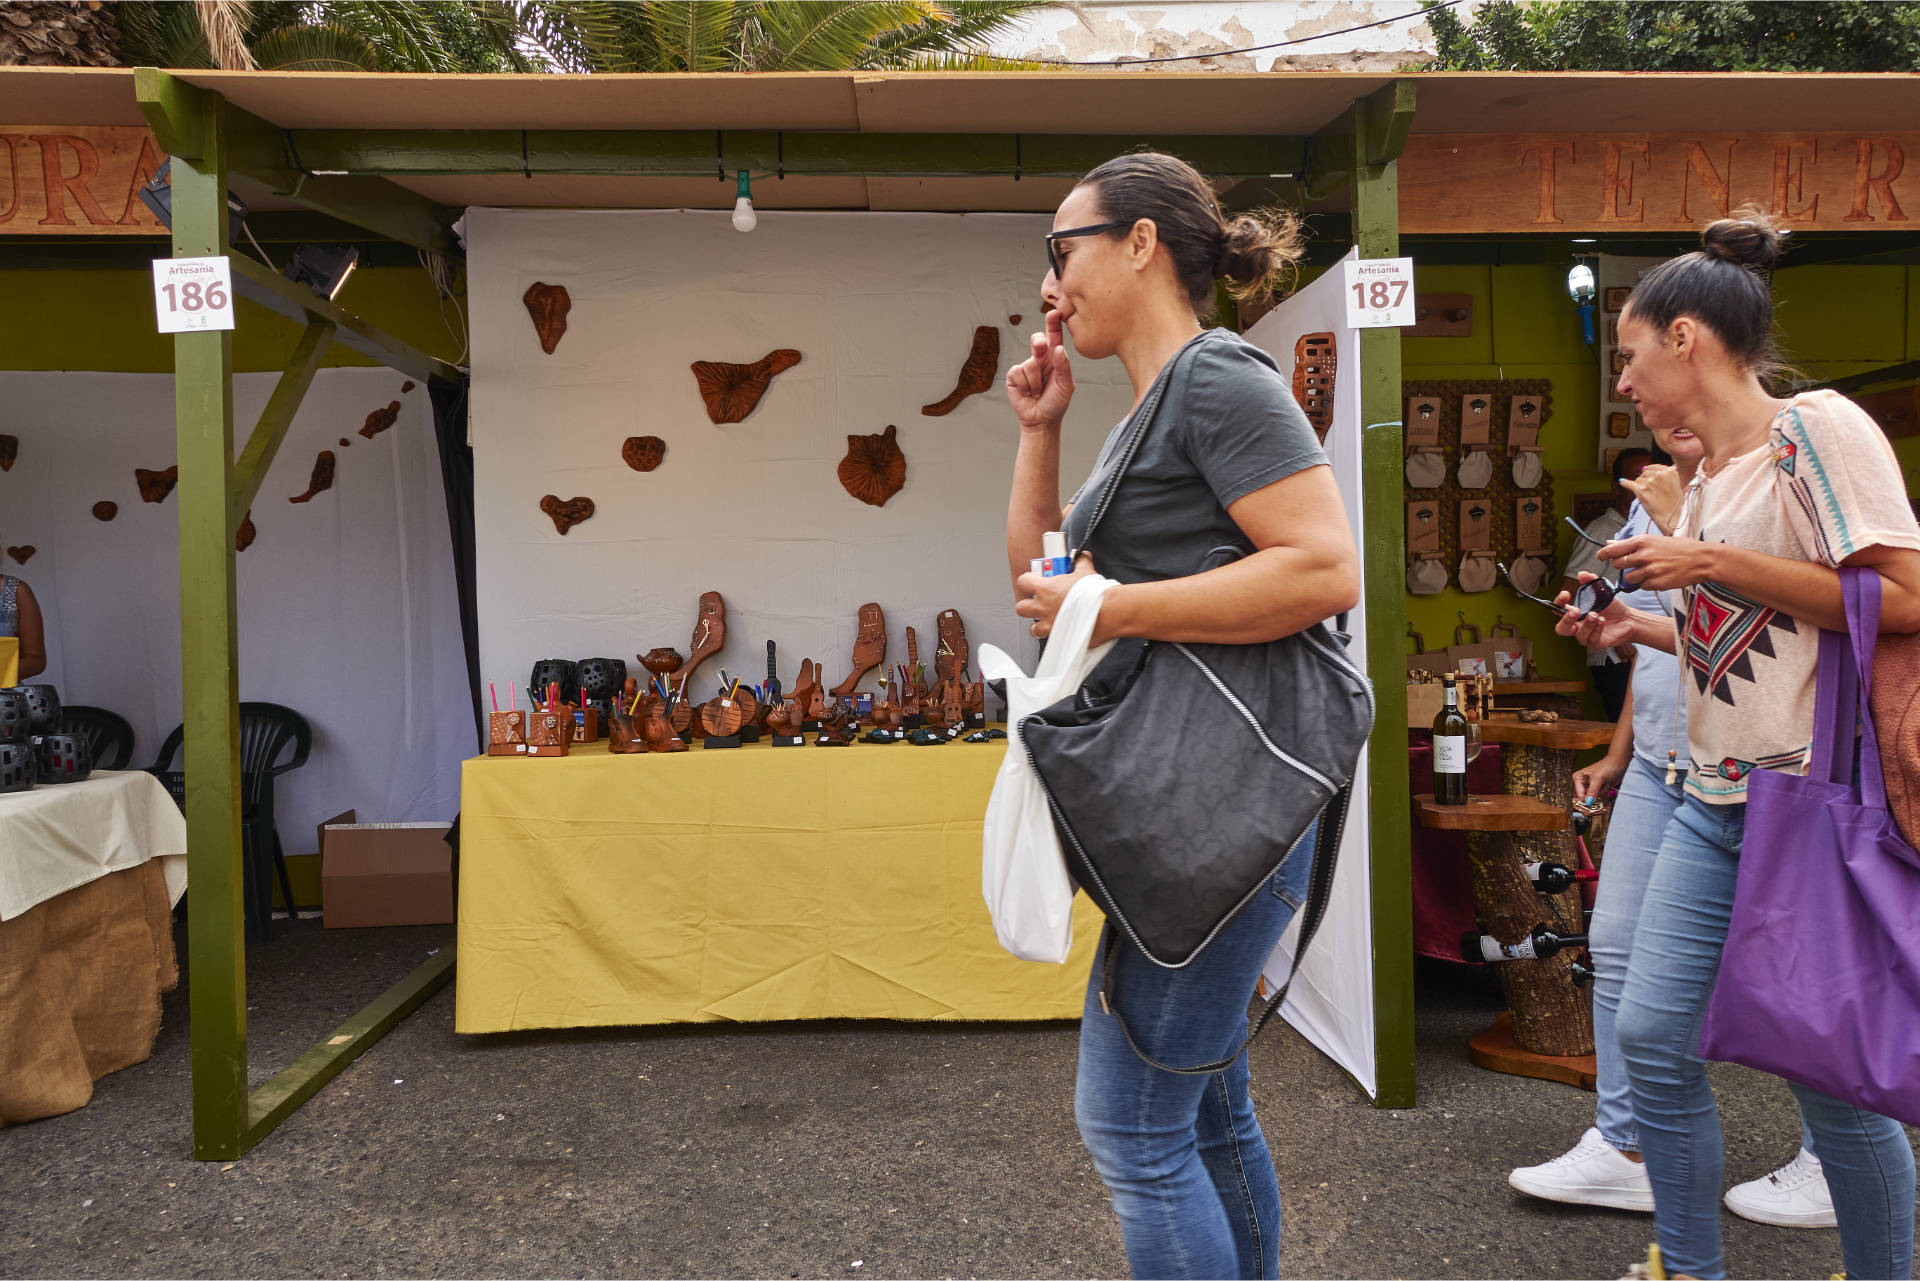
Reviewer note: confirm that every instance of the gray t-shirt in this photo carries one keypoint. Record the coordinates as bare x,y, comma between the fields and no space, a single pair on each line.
1659,718
1236,429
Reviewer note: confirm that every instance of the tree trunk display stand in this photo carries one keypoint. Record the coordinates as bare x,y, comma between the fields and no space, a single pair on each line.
1547,696
1550,1030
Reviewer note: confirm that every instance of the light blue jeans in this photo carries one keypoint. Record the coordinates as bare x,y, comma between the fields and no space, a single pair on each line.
1183,1156
1641,812
1674,962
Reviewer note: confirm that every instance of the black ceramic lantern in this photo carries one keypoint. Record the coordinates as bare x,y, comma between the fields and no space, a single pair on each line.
17,767
43,706
601,679
550,671
16,719
64,758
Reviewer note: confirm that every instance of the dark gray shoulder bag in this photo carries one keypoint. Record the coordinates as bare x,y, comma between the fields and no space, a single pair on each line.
1180,792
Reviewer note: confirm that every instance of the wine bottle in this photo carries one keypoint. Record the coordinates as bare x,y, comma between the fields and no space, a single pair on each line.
1580,974
1537,946
1552,878
1450,750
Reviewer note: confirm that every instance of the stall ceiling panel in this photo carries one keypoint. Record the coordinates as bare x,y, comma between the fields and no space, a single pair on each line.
574,191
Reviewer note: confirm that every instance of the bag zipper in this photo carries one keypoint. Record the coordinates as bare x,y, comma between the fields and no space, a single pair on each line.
1247,715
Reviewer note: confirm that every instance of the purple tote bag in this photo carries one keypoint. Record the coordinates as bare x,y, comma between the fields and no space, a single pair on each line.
1820,980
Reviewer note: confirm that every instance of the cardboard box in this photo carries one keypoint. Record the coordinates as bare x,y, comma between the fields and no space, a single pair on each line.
386,874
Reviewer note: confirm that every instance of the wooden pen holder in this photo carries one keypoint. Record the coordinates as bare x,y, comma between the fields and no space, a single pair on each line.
549,733
586,724
507,733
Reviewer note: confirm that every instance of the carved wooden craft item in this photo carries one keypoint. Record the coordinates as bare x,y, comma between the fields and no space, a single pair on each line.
869,648
623,731
381,419
874,469
807,693
9,450
1014,319
976,376
507,733
243,537
722,717
156,485
22,554
837,726
709,635
321,480
950,658
664,661
548,305
104,510
731,392
655,730
786,719
549,733
345,443
566,513
644,453
1314,362
407,385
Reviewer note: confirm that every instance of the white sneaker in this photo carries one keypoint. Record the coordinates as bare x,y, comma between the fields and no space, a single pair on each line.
1793,1196
1593,1173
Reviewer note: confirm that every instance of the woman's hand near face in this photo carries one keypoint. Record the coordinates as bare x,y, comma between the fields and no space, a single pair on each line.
1040,387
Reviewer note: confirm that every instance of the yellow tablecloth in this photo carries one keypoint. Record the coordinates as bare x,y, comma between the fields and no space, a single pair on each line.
9,660
751,884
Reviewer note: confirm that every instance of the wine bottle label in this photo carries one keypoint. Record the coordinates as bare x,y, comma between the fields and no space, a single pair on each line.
1492,949
1449,753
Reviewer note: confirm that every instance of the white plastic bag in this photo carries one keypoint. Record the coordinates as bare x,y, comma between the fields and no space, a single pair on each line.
1023,875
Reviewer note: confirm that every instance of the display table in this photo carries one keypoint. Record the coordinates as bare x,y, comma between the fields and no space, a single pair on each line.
748,884
89,873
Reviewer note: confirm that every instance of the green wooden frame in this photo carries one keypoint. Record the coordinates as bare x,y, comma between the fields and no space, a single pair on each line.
341,173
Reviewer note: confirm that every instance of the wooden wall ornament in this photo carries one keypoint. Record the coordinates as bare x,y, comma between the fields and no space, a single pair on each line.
22,554
9,451
381,419
732,392
566,513
976,375
156,485
548,305
321,480
345,443
243,537
1523,421
644,453
1619,424
105,510
869,647
874,469
1315,359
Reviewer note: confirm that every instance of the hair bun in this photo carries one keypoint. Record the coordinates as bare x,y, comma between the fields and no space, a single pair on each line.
1748,239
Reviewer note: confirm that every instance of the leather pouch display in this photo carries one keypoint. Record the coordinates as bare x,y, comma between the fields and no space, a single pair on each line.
1528,469
1426,469
1427,577
1529,573
1478,572
1475,470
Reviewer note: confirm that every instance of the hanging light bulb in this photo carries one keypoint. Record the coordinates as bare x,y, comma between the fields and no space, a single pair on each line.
1580,288
744,219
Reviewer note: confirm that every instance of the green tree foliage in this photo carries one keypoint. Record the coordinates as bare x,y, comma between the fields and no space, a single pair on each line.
772,35
337,35
1678,35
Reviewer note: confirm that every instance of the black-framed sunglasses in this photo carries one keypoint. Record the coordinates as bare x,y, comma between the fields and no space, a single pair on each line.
1588,598
1053,256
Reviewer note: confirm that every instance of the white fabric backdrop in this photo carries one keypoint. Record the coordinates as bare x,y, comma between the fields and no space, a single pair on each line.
882,308
348,612
1332,1003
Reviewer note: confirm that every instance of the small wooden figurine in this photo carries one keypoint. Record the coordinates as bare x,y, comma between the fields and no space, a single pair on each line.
869,648
623,735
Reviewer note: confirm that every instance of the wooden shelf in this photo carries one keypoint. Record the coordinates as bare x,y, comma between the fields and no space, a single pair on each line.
1566,735
1520,689
1496,1050
1500,813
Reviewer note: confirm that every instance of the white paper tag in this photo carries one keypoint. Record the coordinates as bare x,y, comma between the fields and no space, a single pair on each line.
1379,292
192,294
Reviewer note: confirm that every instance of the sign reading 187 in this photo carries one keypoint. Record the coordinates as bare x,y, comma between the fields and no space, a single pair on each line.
1379,292
192,294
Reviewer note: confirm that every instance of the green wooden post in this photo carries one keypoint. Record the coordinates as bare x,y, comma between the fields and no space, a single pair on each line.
1380,129
209,653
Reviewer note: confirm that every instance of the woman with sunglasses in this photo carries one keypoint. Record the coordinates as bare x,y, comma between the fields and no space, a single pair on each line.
1786,492
1228,528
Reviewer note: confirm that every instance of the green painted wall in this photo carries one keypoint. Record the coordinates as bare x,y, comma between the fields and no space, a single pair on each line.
104,320
1833,320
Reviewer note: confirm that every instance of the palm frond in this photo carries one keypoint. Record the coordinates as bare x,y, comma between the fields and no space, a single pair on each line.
692,37
829,35
962,61
317,46
225,25
155,34
969,26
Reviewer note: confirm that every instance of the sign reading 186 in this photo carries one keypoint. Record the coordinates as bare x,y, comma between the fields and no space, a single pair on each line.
192,294
1379,292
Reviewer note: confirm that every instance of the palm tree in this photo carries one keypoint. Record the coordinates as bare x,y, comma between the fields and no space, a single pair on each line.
772,35
337,35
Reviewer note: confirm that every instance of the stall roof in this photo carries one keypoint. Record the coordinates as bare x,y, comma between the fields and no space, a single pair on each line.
1121,103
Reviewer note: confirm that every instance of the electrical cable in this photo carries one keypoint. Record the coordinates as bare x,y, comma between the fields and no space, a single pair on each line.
1258,48
256,245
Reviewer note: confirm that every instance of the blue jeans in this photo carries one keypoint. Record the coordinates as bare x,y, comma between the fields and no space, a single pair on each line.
1670,974
1191,1177
1640,816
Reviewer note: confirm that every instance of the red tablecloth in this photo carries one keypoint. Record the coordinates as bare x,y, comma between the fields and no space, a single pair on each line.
1442,881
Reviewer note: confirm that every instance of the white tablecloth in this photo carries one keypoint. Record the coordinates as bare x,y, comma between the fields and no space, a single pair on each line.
59,836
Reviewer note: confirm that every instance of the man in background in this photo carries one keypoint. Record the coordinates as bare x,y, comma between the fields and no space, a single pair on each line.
1610,668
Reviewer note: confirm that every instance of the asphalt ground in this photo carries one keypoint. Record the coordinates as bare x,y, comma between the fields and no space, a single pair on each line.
836,1149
